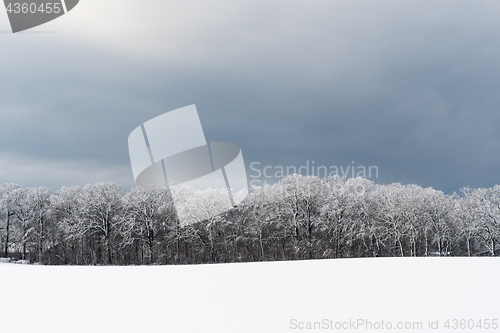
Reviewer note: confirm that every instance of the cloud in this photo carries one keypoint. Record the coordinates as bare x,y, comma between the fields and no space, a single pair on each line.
32,172
409,86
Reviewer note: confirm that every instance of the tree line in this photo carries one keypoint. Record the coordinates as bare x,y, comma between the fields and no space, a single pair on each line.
296,218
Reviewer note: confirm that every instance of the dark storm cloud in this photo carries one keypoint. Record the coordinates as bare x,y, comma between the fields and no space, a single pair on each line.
410,87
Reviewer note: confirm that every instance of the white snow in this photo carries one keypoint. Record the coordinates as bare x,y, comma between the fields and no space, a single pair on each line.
254,297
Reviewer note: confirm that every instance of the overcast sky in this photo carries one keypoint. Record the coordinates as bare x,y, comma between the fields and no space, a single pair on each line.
412,87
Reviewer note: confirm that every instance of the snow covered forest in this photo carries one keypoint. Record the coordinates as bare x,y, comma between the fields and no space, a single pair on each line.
297,218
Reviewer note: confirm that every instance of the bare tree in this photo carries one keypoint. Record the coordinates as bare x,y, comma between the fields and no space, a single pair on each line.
100,207
148,210
7,213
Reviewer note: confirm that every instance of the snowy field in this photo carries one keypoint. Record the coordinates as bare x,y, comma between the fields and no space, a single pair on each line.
255,297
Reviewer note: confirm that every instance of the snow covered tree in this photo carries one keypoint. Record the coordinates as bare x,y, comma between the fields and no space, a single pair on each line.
66,211
394,215
464,216
7,213
100,207
147,212
296,204
38,201
296,218
436,214
487,212
345,214
34,225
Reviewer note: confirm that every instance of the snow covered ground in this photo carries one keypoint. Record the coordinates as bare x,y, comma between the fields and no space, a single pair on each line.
255,297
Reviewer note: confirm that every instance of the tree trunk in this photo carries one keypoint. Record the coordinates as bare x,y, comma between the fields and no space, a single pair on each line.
109,251
261,244
7,227
401,247
40,250
426,245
